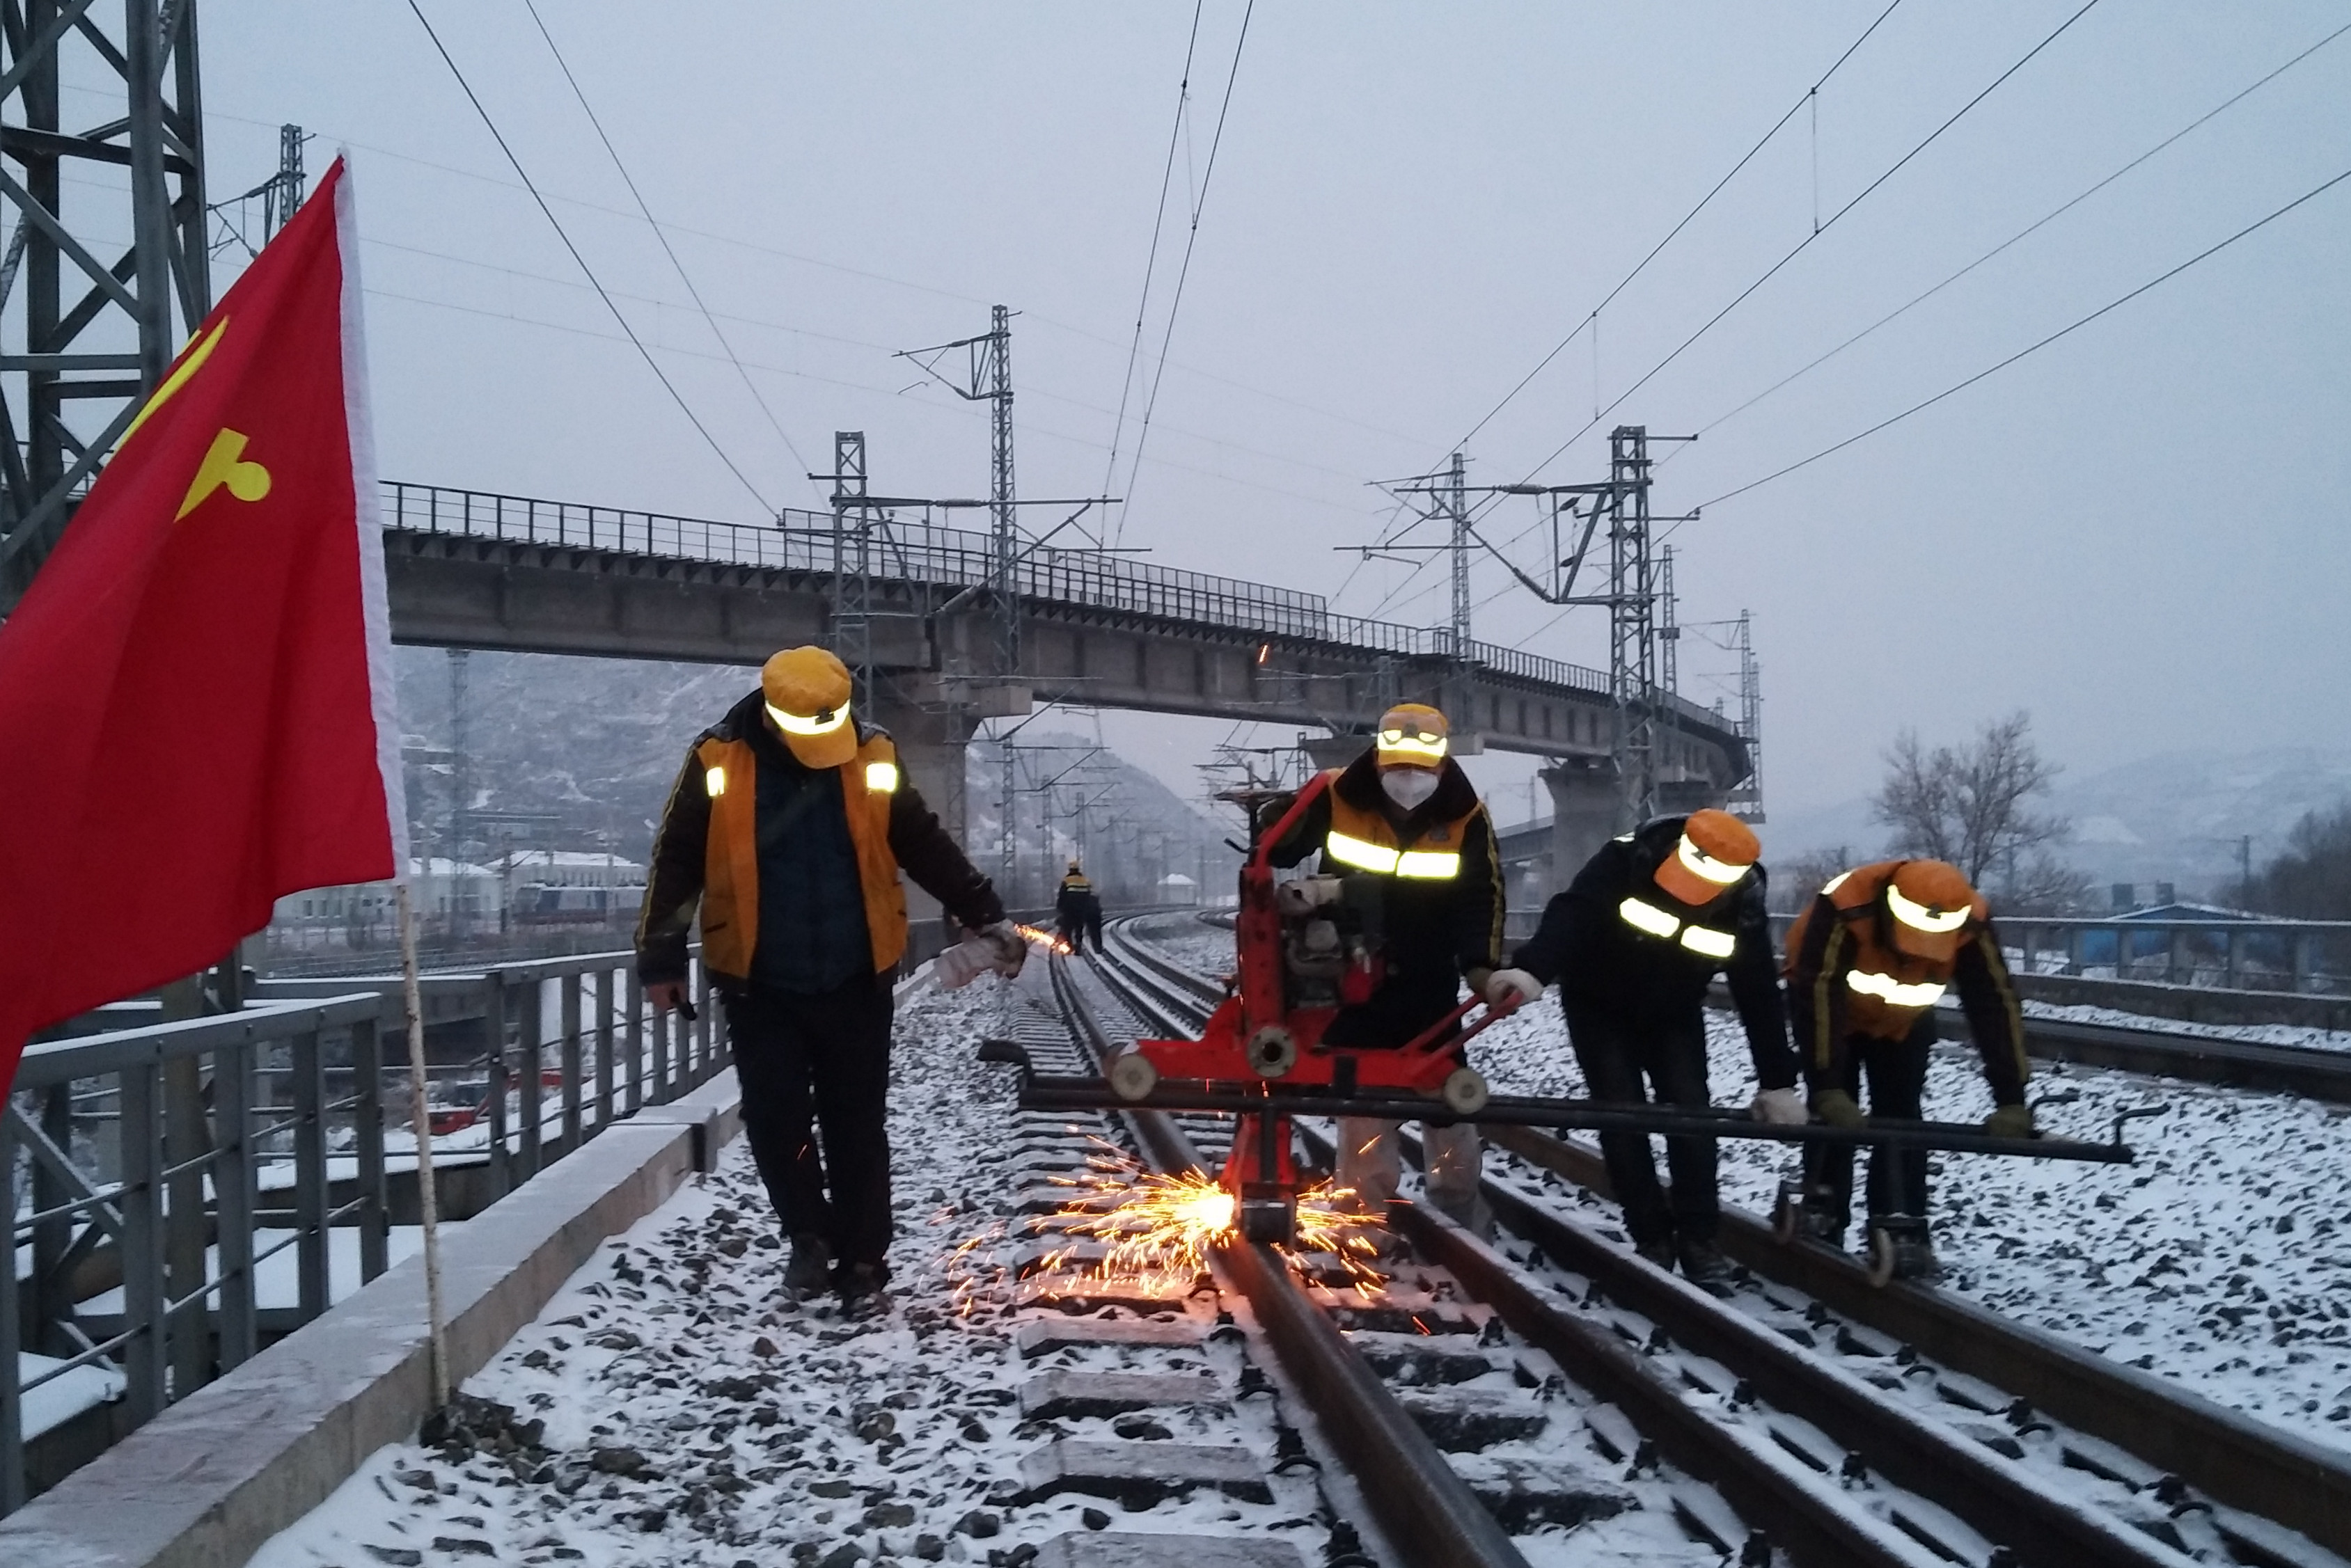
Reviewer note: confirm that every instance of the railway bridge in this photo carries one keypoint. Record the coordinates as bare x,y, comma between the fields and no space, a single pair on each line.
914,603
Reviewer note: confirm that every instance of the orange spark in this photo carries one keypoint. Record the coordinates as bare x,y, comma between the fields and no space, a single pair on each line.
1049,940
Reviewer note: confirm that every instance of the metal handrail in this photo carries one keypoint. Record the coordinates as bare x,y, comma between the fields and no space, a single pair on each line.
267,1104
957,557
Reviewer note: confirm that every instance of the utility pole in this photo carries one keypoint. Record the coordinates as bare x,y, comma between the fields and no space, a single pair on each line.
1633,683
97,337
1747,798
282,192
852,563
1457,512
989,380
461,790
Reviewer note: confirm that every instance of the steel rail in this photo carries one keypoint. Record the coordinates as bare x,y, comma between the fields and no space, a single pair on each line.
1426,1509
1813,1523
2272,1475
2236,1462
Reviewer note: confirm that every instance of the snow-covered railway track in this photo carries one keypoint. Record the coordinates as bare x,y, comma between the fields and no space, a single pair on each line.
1910,1406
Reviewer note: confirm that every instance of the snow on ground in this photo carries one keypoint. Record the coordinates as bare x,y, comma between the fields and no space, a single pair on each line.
2252,1033
669,1408
2221,1259
1190,942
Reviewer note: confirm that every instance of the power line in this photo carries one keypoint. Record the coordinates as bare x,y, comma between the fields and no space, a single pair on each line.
638,196
2069,329
1151,261
1769,273
2023,233
1183,273
1810,96
1802,245
524,176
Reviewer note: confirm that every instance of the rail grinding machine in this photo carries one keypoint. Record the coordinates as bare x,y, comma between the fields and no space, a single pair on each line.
1308,947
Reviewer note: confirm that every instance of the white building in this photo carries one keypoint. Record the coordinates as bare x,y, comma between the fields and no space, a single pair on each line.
441,887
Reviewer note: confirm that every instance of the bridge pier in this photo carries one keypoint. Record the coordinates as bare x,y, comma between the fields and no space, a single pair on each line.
934,734
1587,809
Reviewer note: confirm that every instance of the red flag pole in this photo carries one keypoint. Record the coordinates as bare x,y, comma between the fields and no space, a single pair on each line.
421,1117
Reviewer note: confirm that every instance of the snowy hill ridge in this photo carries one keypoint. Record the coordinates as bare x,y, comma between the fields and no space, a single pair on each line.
2175,818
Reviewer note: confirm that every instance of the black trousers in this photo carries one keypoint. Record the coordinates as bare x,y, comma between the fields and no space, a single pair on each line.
1073,931
817,1067
1629,1061
1896,1070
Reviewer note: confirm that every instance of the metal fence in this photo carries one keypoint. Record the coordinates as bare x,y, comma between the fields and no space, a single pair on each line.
925,553
151,1173
2310,957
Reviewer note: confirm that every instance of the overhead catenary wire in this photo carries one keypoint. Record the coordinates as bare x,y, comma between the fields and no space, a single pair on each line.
1151,261
1768,273
2067,330
554,223
636,195
1183,273
1811,96
2022,234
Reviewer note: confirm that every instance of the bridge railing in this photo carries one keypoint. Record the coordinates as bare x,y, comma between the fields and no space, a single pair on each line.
152,1174
957,557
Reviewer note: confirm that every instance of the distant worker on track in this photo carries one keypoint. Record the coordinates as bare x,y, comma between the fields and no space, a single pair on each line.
1635,942
1077,910
1867,960
788,828
1407,818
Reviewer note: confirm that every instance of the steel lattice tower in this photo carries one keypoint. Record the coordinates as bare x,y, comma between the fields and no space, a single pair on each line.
1457,510
93,338
1007,537
852,563
1633,640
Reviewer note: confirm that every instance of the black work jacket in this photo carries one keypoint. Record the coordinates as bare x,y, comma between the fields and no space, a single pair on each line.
1435,929
1602,962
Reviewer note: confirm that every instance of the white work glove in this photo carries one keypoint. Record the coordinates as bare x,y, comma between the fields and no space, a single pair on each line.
1005,945
1513,987
1779,1108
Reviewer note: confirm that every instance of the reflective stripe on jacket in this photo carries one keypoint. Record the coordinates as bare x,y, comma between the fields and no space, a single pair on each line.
1364,840
1846,978
730,888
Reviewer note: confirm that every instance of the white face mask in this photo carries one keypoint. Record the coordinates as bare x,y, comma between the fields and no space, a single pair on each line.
1408,787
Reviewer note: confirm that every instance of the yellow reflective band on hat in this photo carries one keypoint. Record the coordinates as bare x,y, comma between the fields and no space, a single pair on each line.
823,723
1894,993
881,778
1350,850
1646,917
1833,883
1919,917
1433,864
1707,942
1721,873
1398,745
713,782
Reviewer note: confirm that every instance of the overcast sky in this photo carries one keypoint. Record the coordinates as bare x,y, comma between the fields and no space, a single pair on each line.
2138,533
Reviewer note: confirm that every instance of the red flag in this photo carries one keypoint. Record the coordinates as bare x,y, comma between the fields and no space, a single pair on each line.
195,693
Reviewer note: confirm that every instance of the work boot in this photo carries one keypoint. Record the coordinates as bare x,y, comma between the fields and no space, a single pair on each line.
1909,1238
1660,1252
1703,1264
861,1287
810,1266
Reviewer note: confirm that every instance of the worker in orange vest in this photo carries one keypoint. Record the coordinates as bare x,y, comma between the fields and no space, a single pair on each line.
788,830
1405,821
1866,963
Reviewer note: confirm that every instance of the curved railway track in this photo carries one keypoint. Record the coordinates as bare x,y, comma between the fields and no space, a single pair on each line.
1826,1410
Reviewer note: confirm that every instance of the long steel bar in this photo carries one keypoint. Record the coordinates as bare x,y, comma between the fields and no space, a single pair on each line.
1056,1093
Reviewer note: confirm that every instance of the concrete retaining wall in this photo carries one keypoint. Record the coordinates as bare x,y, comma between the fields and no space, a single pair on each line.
2192,1003
213,1477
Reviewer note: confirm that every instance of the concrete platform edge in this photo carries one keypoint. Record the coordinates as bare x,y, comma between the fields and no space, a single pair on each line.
213,1477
